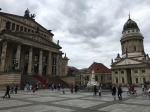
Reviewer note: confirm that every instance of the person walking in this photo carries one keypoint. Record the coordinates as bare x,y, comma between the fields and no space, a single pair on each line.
16,89
12,89
149,91
119,92
75,88
95,90
100,90
114,92
7,91
71,88
62,86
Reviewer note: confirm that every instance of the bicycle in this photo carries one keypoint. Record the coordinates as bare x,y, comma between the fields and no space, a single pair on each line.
132,93
144,94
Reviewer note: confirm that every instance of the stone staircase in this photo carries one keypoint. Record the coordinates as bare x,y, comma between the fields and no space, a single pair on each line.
50,79
9,78
55,80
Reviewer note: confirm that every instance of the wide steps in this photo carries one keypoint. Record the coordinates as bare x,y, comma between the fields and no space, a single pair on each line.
9,78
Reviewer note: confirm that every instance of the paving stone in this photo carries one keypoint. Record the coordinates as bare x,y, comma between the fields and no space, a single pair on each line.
38,108
45,99
12,103
53,101
79,103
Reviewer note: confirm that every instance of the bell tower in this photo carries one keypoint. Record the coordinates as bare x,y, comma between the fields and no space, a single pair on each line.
132,40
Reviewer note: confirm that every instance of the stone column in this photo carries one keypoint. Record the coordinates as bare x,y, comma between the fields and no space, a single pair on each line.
49,66
18,56
3,57
30,61
57,65
40,62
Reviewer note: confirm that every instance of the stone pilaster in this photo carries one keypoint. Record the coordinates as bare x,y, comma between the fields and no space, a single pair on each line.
30,61
18,56
49,66
40,62
57,65
3,57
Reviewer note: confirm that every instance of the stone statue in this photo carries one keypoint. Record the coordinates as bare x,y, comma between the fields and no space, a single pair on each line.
33,16
27,13
93,74
57,42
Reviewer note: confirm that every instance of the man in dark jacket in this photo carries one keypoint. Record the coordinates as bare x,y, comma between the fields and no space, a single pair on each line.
119,92
114,92
7,91
95,90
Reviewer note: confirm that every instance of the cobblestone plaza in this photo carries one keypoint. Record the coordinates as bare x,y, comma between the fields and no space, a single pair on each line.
52,101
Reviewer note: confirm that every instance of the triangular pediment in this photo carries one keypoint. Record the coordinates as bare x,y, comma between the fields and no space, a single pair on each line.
25,21
128,61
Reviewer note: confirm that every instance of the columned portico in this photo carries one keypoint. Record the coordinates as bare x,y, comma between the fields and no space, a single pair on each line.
40,62
27,48
18,56
3,57
30,61
49,67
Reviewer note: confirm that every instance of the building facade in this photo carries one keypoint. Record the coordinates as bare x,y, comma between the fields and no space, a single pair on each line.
102,74
28,47
133,67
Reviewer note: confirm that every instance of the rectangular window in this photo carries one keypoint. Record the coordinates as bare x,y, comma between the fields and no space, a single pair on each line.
28,30
144,80
25,29
21,28
122,80
122,72
17,28
13,26
136,80
143,71
44,59
54,61
116,72
26,57
36,58
53,70
101,78
87,78
96,78
135,71
116,80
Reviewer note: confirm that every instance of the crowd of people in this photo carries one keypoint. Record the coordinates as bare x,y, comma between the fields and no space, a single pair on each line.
10,90
116,89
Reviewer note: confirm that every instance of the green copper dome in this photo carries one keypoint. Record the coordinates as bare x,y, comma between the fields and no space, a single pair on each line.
130,24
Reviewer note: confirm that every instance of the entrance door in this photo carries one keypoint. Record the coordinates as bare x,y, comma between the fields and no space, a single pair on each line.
36,69
25,68
129,78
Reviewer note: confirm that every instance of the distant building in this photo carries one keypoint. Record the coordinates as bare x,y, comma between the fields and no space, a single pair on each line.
102,74
133,66
27,48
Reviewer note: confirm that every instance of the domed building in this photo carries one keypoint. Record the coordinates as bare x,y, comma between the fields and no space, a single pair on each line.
133,66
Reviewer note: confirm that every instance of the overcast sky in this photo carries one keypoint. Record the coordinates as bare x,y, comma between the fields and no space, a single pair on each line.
87,30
